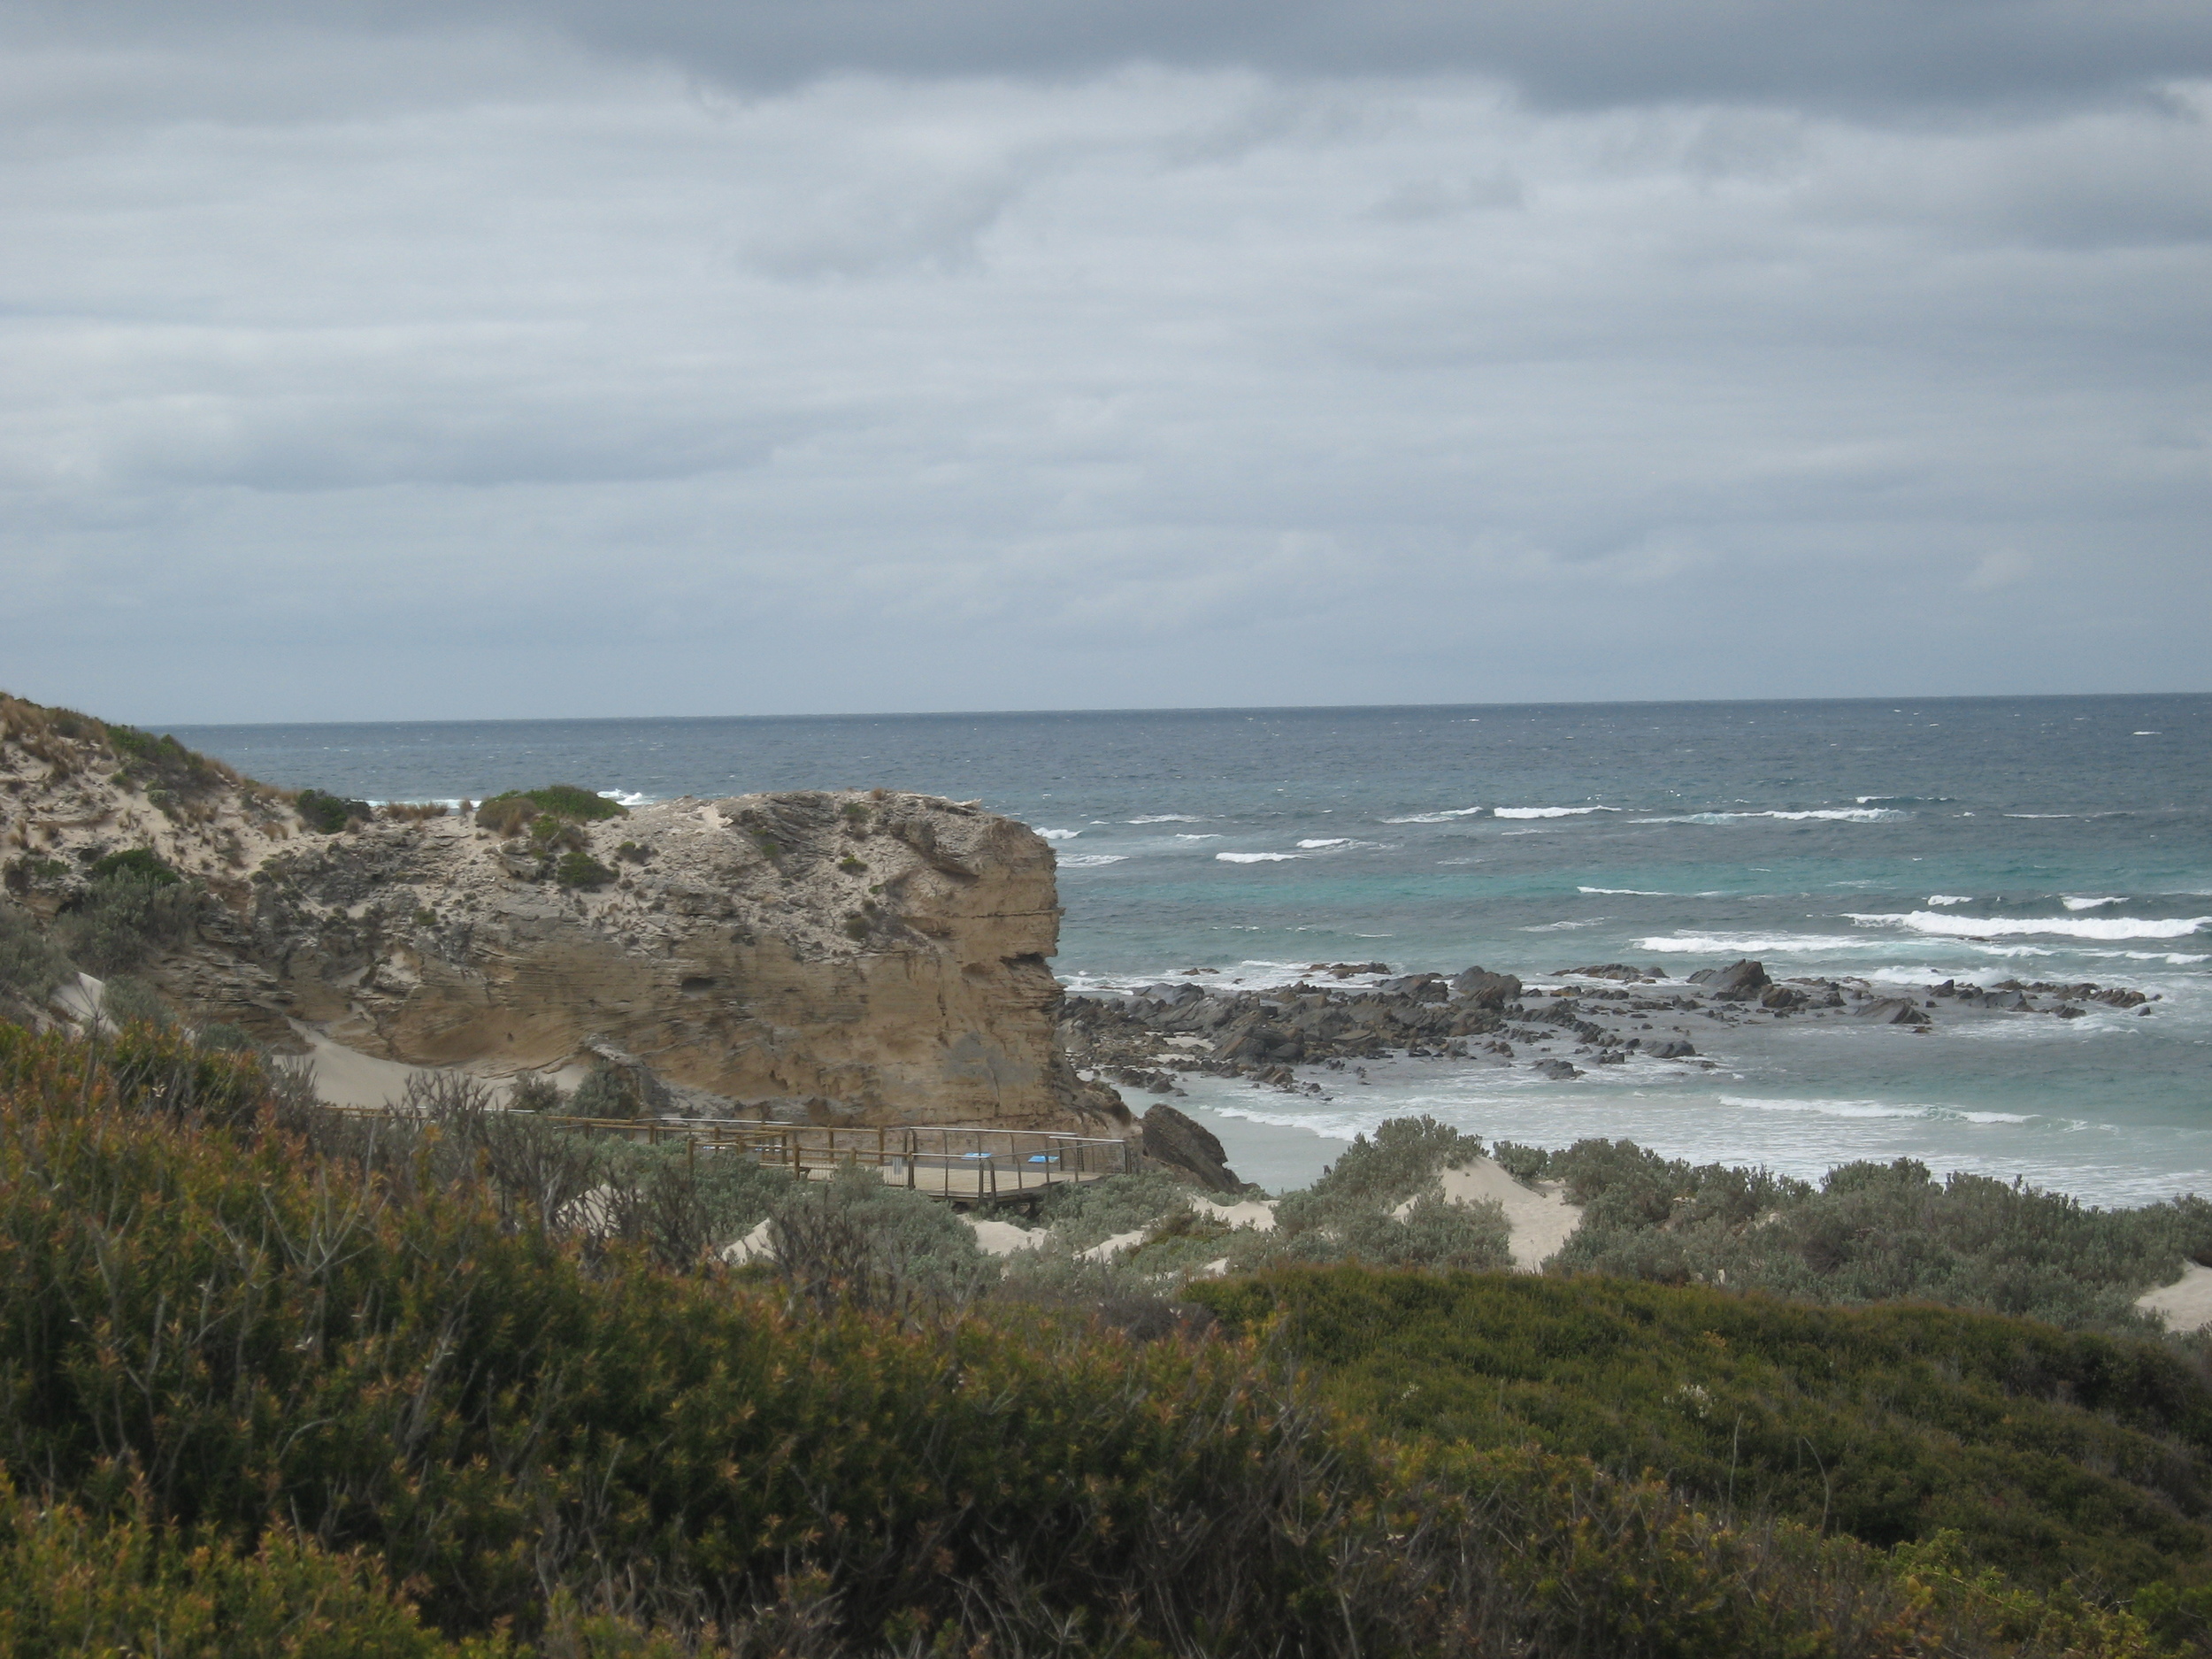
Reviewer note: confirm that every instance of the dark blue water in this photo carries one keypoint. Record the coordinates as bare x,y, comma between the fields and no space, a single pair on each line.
2056,838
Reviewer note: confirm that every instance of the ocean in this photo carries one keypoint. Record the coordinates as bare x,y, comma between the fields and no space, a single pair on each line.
2053,839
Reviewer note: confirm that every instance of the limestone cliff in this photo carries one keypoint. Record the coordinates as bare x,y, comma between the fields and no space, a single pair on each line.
870,958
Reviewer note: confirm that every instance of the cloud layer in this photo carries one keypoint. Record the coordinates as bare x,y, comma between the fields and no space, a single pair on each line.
680,359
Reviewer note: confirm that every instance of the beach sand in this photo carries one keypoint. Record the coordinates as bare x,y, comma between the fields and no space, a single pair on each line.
1541,1218
2186,1303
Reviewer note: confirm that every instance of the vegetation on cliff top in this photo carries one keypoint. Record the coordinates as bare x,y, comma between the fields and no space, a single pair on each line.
275,1381
511,813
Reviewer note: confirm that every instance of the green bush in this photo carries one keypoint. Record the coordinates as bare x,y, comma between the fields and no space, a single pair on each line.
1873,1233
30,966
330,813
1351,1213
535,1092
75,1583
577,868
168,768
2052,1456
221,1037
221,1337
127,1000
615,1092
124,917
141,862
506,814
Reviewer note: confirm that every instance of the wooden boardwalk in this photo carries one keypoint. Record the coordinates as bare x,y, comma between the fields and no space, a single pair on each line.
961,1165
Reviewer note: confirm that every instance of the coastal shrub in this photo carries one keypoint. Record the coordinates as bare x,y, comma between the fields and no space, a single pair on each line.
507,814
74,1583
30,965
1871,1232
32,871
218,1335
577,868
1353,1211
535,1092
166,767
123,918
853,1240
1088,1214
413,812
1525,1164
127,1001
2053,1456
222,1037
141,862
619,1092
1405,1159
330,813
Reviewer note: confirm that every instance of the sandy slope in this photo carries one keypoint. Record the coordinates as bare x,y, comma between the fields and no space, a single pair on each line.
2186,1303
1543,1220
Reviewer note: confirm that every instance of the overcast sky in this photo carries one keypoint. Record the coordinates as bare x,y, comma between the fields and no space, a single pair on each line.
385,359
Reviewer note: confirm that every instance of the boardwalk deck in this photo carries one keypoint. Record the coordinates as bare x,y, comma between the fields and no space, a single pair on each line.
961,1165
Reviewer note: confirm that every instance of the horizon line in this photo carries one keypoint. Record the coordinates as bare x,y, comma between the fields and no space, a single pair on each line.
1247,709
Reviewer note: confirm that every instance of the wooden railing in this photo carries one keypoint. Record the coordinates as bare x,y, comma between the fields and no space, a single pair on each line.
965,1166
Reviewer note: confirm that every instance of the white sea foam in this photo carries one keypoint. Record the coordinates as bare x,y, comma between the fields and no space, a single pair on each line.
1339,841
1211,835
2090,904
618,796
1059,835
1634,893
2006,926
1090,861
1440,818
1827,1108
1167,817
1950,898
1833,814
1554,927
1258,858
1552,811
1758,944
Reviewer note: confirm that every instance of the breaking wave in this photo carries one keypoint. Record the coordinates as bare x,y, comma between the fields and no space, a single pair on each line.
2005,927
1832,815
1440,818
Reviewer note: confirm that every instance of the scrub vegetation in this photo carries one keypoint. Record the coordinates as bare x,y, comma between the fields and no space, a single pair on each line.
1868,1232
276,1380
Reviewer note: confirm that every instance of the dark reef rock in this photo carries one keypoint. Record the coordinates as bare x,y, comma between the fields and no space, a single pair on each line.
1181,1142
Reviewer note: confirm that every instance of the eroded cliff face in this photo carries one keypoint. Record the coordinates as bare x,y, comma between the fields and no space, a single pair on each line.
874,958
859,958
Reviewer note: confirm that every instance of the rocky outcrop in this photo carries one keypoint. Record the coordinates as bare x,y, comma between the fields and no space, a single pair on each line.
1740,982
849,957
844,957
1185,1145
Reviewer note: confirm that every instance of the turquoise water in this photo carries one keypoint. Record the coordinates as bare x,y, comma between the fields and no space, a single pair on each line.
2047,839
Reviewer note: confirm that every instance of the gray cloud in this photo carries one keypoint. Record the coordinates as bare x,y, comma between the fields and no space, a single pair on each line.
1574,53
441,366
